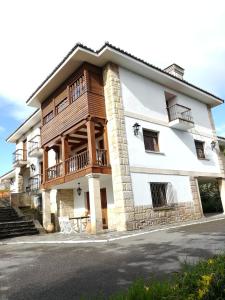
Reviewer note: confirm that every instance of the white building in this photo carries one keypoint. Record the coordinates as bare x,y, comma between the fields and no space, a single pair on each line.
122,141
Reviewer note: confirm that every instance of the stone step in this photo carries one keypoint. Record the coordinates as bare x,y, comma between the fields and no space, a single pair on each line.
17,229
11,219
19,233
13,224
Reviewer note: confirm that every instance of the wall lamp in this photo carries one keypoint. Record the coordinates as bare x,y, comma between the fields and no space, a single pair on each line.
79,189
213,145
33,168
136,128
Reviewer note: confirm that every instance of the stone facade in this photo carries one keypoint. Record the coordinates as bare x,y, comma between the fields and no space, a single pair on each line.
147,216
21,200
180,212
122,186
196,197
46,205
19,182
65,203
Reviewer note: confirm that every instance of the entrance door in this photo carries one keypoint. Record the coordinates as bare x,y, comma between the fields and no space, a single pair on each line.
103,206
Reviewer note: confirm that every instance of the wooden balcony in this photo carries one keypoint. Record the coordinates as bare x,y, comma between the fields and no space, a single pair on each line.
77,166
34,147
19,158
79,97
180,117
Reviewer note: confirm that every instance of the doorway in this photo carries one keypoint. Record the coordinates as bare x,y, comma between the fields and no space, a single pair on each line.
210,197
103,206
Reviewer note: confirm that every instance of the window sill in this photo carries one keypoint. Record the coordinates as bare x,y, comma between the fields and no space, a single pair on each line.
155,152
164,208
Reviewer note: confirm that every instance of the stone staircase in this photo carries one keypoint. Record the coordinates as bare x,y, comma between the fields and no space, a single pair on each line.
12,225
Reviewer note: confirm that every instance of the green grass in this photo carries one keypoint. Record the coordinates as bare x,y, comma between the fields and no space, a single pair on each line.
205,280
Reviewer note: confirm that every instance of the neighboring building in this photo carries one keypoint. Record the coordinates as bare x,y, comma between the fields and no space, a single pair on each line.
122,140
25,178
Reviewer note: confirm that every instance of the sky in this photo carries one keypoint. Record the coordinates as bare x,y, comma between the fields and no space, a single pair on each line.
36,35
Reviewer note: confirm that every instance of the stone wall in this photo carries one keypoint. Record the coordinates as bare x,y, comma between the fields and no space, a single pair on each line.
180,212
118,149
147,216
21,200
65,201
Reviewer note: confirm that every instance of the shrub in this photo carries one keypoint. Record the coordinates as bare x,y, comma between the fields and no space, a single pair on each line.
205,281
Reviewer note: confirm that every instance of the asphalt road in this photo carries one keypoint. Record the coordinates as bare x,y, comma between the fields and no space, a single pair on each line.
70,271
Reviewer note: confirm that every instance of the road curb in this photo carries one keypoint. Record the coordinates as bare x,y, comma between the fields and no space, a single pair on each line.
108,240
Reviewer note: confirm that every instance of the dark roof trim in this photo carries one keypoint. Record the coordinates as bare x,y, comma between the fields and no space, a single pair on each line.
221,137
107,44
6,173
22,124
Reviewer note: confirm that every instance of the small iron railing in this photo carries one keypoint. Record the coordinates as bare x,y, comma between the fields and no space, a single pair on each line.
19,155
178,111
35,182
34,143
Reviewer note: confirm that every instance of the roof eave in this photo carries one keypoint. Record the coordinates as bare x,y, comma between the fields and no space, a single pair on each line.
32,120
110,53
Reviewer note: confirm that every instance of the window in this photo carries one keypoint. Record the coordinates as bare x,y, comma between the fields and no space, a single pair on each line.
77,88
62,105
199,146
48,118
158,192
151,140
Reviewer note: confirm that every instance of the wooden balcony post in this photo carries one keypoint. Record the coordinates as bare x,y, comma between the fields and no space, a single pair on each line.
106,144
91,142
45,164
65,153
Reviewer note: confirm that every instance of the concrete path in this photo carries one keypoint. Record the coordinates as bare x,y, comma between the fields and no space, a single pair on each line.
76,238
68,271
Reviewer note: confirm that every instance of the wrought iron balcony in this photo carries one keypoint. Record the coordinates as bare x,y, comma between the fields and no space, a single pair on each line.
180,117
35,146
19,157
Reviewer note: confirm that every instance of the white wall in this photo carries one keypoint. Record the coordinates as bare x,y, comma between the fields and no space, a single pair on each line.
177,148
141,187
144,97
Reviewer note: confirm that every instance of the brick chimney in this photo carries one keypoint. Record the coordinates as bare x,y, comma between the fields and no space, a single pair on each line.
175,70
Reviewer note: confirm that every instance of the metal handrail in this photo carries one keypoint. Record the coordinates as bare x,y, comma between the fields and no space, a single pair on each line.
178,111
20,154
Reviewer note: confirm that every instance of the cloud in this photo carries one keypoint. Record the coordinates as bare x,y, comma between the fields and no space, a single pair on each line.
2,129
20,113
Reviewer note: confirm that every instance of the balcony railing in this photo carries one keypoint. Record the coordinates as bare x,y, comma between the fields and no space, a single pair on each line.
101,157
35,182
76,163
34,144
20,155
181,112
54,171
